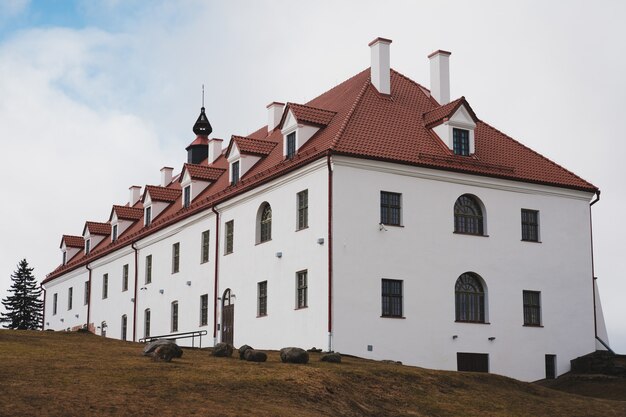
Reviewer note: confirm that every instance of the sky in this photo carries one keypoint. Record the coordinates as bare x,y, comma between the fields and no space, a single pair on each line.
96,96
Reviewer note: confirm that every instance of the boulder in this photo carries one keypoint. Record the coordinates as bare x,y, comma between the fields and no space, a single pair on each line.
252,355
314,350
165,352
223,350
149,349
294,355
331,357
242,351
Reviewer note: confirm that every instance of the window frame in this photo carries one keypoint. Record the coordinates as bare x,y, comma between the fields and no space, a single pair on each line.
470,306
64,257
176,258
147,216
389,209
105,286
204,310
265,223
114,232
235,174
461,141
174,316
469,219
531,310
148,270
70,296
392,301
146,322
261,299
86,293
302,212
87,246
229,237
302,289
291,145
125,277
187,196
530,225
124,327
204,246
55,303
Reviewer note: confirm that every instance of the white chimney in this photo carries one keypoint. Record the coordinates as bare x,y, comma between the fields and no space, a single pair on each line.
135,194
274,113
380,68
440,76
215,149
166,176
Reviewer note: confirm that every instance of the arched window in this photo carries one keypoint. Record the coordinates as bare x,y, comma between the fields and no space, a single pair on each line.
264,223
469,298
468,215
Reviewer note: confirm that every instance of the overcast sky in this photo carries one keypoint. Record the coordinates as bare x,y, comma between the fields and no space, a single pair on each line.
98,96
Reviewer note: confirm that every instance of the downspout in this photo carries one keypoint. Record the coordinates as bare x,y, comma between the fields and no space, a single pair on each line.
215,276
330,250
89,299
43,316
136,293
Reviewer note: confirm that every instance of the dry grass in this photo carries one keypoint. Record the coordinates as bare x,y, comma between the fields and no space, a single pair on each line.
71,374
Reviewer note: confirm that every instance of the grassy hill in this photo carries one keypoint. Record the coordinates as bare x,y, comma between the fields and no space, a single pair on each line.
73,374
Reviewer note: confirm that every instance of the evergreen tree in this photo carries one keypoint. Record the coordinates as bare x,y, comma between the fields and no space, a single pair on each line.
24,307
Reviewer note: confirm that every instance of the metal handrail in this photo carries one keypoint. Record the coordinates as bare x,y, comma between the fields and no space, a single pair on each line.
185,335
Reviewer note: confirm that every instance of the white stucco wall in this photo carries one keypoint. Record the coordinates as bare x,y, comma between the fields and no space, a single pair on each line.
429,257
64,318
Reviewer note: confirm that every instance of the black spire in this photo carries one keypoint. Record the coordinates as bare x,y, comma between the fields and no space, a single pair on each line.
202,126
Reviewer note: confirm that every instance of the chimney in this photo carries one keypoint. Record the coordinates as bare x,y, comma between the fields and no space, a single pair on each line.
274,113
166,176
440,76
215,149
135,194
380,68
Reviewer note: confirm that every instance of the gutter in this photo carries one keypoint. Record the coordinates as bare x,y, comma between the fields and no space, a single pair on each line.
89,299
216,273
136,293
594,278
330,250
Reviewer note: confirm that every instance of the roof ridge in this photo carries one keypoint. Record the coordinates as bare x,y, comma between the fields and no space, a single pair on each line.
357,101
421,87
311,107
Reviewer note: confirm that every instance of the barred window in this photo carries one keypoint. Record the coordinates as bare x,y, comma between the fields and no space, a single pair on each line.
105,286
265,223
390,208
461,142
530,225
468,215
303,209
124,326
148,278
230,236
204,257
146,323
532,308
262,298
469,299
125,277
391,298
301,289
175,257
174,316
204,310
291,145
70,294
55,299
86,295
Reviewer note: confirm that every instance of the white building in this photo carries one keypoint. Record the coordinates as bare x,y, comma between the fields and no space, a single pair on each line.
380,219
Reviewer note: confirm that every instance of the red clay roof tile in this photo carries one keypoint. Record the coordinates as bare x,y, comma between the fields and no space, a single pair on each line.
73,241
309,115
202,172
165,194
127,213
251,146
438,115
96,228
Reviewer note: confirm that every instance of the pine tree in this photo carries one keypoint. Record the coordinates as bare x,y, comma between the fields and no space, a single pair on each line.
24,307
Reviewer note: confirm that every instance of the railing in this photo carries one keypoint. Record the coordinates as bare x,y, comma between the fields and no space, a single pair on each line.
186,335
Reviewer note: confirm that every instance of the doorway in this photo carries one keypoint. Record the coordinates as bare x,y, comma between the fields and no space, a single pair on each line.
228,318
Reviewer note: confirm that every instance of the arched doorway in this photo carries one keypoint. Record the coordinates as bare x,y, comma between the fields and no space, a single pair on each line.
228,318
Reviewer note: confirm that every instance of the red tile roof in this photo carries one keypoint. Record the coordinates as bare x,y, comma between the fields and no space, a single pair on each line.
199,140
127,213
366,125
202,172
308,114
438,115
96,228
168,195
73,241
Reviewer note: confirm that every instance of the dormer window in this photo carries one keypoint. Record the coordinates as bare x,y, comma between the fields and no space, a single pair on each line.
87,246
114,233
461,141
234,173
187,196
291,145
64,257
148,216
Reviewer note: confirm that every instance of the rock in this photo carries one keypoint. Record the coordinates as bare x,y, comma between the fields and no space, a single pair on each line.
391,362
149,349
331,357
314,350
252,355
294,355
242,351
223,350
165,352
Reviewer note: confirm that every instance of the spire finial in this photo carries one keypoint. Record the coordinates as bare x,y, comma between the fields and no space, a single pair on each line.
203,95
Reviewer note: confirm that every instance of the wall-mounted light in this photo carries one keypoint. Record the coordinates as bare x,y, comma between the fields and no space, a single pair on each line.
320,241
492,338
76,315
143,288
62,320
132,300
381,227
161,291
455,336
47,323
279,254
189,283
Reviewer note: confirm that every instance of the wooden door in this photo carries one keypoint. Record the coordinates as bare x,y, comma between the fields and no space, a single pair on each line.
228,318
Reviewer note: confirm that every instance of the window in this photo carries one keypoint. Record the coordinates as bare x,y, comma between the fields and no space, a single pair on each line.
460,139
230,231
532,308
530,225
148,278
550,366
114,233
174,316
303,209
301,289
55,298
390,210
87,246
86,300
64,257
146,323
265,223
472,362
124,326
70,293
392,298
262,299
235,172
105,286
175,257
204,256
291,145
468,215
469,299
125,278
187,196
204,310
148,216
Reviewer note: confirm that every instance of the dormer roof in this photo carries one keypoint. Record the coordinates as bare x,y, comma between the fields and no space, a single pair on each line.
201,172
251,146
440,114
308,115
126,213
168,195
72,241
96,228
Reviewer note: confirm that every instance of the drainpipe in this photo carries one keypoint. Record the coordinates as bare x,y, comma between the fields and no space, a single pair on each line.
330,250
43,316
215,279
593,275
89,299
136,293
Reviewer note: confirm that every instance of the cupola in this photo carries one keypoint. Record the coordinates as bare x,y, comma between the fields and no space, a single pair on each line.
198,150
